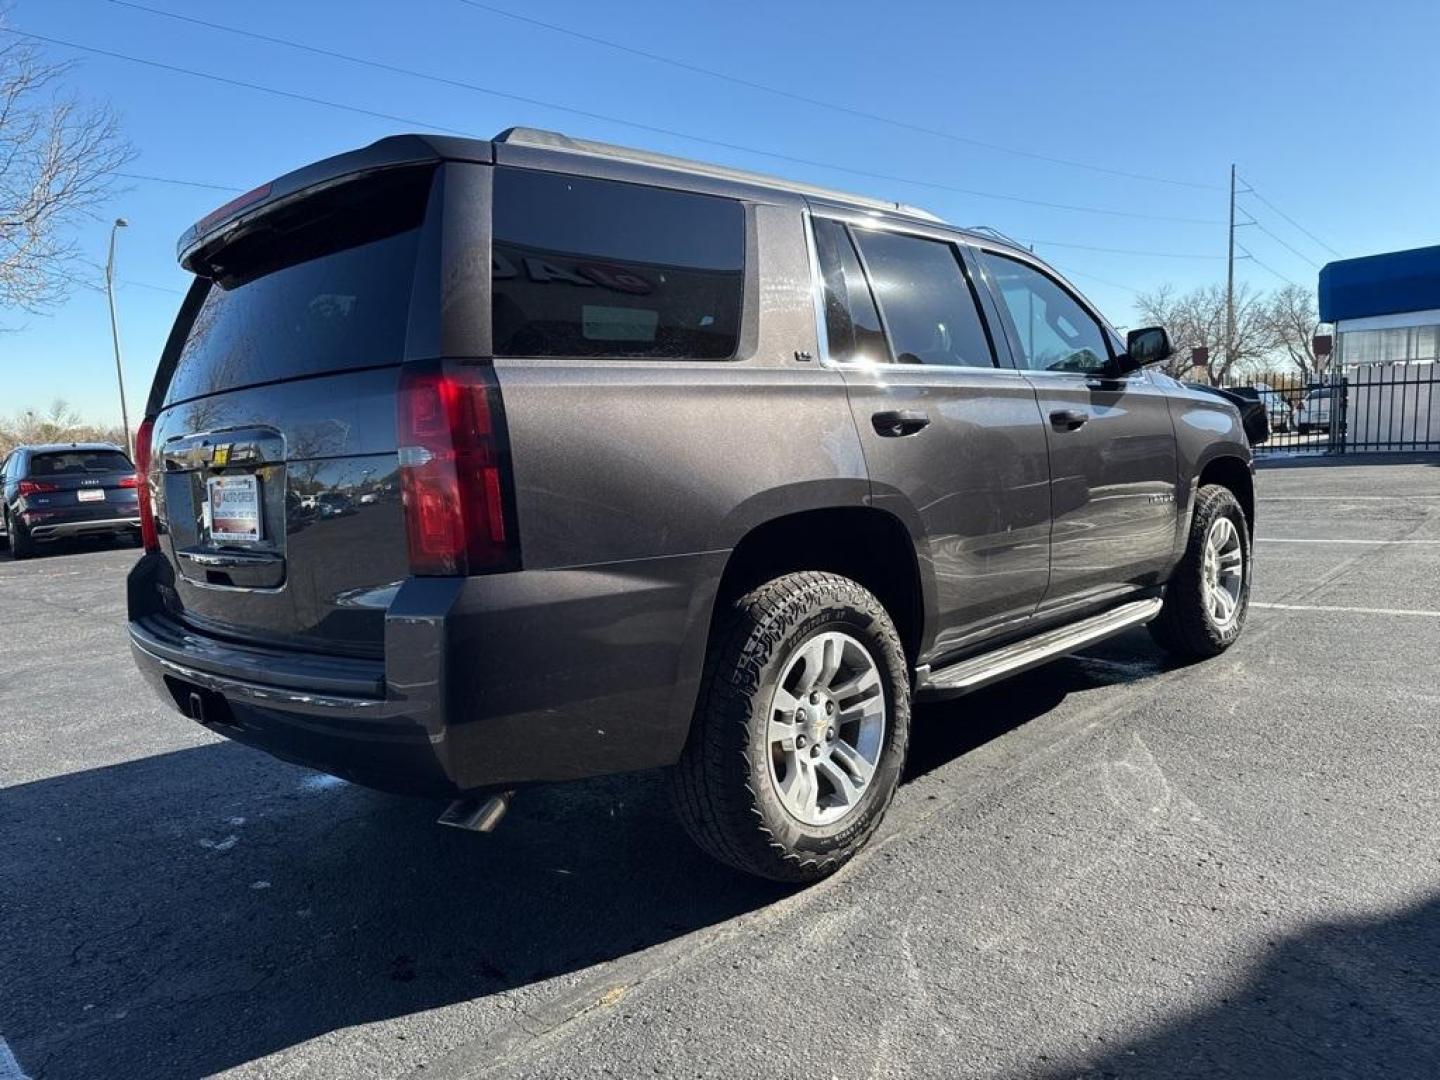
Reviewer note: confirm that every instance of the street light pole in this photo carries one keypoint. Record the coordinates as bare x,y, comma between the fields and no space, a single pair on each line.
1230,282
120,223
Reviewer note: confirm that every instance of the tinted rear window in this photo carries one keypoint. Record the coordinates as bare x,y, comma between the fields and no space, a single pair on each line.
79,463
324,287
926,299
599,268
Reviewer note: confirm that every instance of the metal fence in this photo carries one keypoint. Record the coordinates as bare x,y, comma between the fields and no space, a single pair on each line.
1358,409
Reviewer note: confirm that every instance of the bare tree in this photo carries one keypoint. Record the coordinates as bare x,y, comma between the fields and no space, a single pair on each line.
1198,318
1294,323
59,423
58,160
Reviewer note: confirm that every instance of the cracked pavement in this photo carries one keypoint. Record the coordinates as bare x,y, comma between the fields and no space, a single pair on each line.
1108,867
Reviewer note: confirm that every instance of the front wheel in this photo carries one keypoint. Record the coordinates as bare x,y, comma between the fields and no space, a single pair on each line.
1209,594
800,731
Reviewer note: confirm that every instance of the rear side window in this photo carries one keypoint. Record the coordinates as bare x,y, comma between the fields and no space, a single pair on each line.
79,463
323,286
585,267
926,300
852,325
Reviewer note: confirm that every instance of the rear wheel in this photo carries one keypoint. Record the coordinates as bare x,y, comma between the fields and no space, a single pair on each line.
800,732
21,545
1209,594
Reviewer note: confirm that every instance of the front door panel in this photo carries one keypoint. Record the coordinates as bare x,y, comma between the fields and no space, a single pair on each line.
1113,478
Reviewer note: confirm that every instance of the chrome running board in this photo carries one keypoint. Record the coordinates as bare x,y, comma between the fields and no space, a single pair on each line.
977,671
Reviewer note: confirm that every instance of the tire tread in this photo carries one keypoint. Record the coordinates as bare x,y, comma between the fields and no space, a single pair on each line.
721,815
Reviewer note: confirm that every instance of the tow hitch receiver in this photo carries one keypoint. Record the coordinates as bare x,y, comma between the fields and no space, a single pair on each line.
477,814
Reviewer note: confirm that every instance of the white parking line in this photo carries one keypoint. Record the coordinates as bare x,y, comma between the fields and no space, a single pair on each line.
1349,610
9,1067
1344,498
1331,540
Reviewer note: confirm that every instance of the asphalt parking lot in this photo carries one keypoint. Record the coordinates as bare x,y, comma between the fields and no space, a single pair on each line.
1107,868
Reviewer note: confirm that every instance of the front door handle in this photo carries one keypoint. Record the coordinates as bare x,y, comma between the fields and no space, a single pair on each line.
1069,419
894,423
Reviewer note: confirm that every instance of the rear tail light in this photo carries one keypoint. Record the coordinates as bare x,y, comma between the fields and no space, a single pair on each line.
149,534
35,487
454,471
130,481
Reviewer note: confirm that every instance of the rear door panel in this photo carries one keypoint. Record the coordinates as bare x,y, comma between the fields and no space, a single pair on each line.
971,483
975,482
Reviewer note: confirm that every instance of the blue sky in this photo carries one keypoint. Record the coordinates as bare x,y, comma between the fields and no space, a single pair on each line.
1328,108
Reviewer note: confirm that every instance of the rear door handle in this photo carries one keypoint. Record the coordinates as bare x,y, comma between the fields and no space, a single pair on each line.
1069,419
894,423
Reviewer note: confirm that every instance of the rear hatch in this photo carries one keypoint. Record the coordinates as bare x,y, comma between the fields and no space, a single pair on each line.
80,484
274,440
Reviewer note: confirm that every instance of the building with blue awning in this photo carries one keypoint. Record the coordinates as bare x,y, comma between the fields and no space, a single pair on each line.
1385,308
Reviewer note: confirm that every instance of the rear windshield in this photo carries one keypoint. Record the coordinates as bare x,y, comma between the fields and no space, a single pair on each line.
79,463
587,267
325,286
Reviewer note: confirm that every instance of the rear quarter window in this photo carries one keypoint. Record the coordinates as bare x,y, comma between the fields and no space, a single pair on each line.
599,268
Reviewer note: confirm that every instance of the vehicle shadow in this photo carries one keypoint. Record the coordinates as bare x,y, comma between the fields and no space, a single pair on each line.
74,546
1353,997
186,913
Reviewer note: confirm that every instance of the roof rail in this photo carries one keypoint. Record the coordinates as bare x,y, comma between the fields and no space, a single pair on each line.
996,234
554,140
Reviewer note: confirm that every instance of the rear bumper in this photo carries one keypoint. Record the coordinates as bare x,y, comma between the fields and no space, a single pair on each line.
56,525
485,683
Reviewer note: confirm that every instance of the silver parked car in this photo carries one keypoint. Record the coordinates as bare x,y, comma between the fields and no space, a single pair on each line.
1313,412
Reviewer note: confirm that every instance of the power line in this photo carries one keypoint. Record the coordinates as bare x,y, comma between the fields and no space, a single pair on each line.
820,102
174,180
99,286
808,162
1282,243
148,285
1127,251
1291,220
230,82
1093,277
1245,253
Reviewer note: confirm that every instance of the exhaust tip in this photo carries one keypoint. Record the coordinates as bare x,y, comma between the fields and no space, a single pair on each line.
477,814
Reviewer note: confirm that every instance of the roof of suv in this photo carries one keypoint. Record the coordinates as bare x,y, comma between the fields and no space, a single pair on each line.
566,144
411,149
57,448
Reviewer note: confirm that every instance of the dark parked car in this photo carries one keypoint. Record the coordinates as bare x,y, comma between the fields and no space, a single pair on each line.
67,489
673,466
1254,413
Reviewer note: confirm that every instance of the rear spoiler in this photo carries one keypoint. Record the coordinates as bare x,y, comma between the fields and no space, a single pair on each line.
222,225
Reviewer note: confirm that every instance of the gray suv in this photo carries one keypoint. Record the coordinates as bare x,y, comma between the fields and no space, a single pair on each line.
472,465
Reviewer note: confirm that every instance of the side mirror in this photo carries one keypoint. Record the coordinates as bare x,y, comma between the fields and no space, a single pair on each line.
1150,345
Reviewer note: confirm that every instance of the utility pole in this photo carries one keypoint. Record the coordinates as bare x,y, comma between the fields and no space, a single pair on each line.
120,223
1230,282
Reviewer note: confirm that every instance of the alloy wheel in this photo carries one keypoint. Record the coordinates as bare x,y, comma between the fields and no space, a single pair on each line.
1223,571
826,728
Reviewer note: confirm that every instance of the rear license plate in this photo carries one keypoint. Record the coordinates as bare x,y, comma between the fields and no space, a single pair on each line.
90,495
233,508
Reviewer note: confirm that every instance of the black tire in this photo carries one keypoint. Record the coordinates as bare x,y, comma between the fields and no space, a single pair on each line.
1186,627
21,546
722,786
